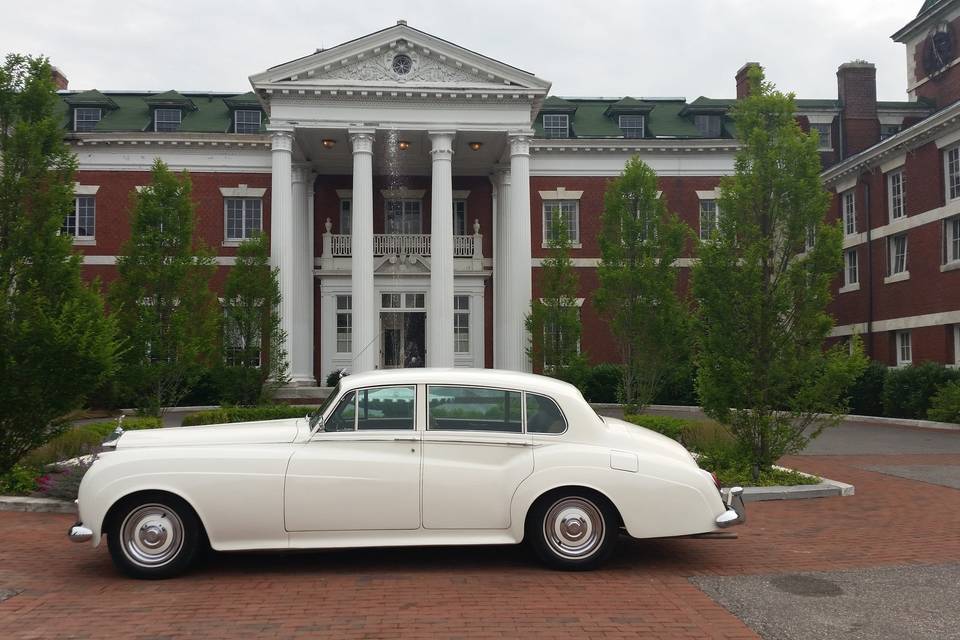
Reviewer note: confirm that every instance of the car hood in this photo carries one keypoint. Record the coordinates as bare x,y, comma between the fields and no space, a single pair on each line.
643,440
261,432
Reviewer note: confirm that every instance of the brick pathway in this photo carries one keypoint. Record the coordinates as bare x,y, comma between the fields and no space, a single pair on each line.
68,590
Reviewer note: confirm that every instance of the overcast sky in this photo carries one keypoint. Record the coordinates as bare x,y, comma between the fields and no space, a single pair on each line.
586,48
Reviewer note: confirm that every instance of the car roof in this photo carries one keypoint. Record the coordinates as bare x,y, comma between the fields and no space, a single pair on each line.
460,376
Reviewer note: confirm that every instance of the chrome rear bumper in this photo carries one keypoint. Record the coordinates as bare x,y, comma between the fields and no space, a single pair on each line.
80,533
735,513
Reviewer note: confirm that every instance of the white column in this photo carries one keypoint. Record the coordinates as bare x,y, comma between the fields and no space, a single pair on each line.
366,348
518,274
301,338
440,318
501,242
281,229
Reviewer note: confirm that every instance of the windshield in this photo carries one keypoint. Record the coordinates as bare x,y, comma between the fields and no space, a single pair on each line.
316,415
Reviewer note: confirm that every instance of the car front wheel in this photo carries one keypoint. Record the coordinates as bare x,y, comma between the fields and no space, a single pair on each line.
573,531
153,536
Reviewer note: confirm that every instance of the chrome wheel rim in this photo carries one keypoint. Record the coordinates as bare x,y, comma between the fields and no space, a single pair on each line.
152,535
573,528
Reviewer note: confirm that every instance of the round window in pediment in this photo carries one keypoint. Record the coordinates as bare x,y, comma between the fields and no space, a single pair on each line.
402,64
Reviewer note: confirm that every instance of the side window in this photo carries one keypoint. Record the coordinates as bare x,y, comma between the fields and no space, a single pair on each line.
386,408
543,415
473,409
344,416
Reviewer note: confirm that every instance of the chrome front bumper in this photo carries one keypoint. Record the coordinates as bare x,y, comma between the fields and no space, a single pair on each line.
80,533
735,513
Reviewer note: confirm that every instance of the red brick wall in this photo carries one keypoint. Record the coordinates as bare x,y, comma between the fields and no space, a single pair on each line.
927,291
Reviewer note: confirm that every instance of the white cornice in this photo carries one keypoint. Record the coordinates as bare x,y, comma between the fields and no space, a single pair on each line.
625,145
906,140
205,140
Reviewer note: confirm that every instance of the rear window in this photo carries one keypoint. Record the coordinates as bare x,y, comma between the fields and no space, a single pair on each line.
543,415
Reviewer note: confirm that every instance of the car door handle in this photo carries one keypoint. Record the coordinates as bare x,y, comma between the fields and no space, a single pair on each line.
405,439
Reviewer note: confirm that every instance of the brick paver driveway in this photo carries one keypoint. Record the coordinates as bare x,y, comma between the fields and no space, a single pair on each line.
68,590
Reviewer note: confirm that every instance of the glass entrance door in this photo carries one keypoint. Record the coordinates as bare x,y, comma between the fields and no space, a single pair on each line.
402,339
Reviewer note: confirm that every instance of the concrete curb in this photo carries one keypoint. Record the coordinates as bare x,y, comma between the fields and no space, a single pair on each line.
36,505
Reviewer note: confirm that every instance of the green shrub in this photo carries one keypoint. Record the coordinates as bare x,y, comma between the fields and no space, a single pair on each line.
907,392
866,394
603,383
238,385
333,378
246,414
945,404
20,480
678,387
81,440
670,427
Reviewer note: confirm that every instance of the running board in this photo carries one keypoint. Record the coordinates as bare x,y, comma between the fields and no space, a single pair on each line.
714,535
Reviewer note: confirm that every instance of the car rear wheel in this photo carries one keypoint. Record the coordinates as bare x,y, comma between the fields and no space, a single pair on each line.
154,536
573,531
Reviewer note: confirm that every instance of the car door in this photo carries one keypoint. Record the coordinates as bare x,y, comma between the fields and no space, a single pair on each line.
362,471
475,455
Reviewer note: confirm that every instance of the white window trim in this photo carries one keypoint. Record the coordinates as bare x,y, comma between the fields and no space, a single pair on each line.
399,194
900,361
461,194
716,211
713,194
560,193
340,213
236,242
893,165
823,147
242,191
946,172
386,210
85,190
566,118
237,111
956,345
843,204
469,313
642,127
76,109
903,200
948,263
849,285
897,277
155,122
545,242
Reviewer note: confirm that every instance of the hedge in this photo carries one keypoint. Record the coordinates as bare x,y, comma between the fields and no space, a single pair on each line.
945,404
247,414
907,392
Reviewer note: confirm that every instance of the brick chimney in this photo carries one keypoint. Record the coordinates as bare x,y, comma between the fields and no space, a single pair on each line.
743,79
59,79
857,91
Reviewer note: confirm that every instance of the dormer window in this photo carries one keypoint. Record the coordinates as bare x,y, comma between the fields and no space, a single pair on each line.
556,125
633,126
708,126
167,119
86,118
246,121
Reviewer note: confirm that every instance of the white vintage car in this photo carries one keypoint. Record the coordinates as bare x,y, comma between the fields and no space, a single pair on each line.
397,458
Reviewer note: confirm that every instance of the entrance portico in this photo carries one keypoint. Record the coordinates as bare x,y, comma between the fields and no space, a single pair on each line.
395,108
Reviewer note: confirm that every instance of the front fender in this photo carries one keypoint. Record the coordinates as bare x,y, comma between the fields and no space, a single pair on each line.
236,491
664,497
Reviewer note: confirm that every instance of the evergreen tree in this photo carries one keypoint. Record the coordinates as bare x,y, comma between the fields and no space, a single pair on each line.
56,345
161,299
762,289
640,241
554,320
253,341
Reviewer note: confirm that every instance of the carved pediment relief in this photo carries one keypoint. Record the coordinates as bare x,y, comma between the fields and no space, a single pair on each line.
410,265
403,66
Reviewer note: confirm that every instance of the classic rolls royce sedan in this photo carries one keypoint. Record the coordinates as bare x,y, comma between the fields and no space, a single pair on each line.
397,458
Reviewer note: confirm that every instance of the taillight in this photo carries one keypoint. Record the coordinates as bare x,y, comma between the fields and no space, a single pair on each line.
716,480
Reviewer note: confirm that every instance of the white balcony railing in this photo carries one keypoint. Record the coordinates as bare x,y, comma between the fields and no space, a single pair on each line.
337,245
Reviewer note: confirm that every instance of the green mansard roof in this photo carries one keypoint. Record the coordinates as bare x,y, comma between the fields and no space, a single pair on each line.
133,111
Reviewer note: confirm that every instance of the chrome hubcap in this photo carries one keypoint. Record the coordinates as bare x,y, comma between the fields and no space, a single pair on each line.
152,535
573,528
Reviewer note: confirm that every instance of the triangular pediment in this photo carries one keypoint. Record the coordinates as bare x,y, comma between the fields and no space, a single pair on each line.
398,57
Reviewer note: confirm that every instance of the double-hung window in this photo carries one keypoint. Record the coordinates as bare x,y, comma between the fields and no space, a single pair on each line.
556,125
81,222
246,121
86,118
709,219
897,188
166,119
557,212
632,126
344,324
904,349
849,212
951,237
952,162
825,130
461,324
851,268
346,216
897,249
403,216
459,217
708,126
244,218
